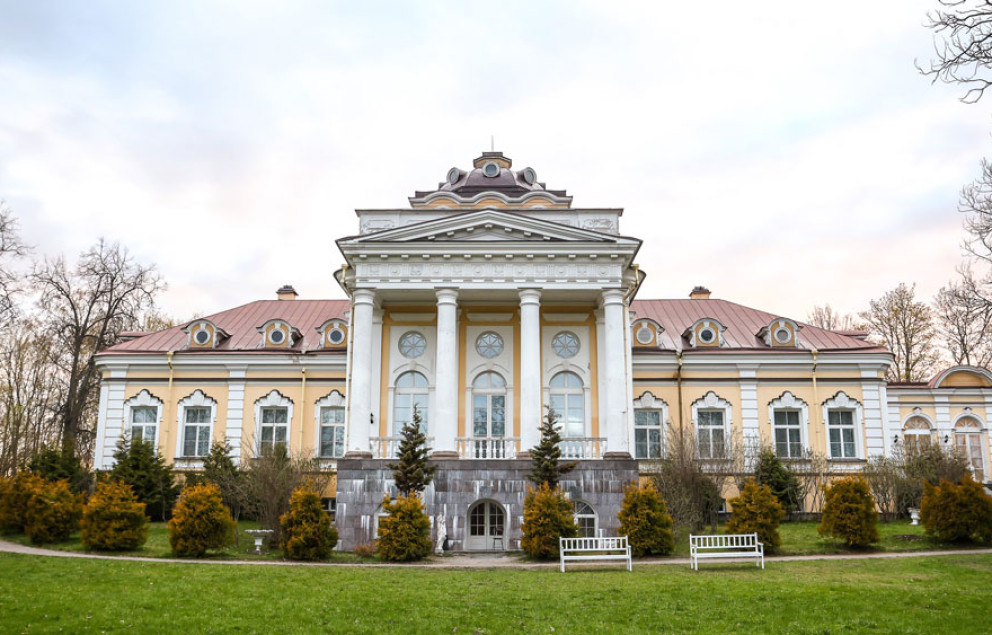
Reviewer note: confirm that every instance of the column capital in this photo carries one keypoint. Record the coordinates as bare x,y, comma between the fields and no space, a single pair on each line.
446,295
363,296
530,296
613,296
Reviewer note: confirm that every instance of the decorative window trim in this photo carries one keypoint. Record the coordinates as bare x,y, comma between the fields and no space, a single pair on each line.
196,399
771,333
290,334
649,403
842,401
968,413
692,333
214,333
333,325
273,399
712,401
788,401
649,326
144,399
333,399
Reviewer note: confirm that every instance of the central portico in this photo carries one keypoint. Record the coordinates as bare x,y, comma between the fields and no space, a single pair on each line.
487,301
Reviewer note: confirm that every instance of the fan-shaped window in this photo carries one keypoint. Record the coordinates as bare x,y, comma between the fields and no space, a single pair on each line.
585,518
410,394
917,434
968,443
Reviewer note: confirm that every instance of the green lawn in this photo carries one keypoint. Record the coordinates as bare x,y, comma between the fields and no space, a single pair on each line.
929,594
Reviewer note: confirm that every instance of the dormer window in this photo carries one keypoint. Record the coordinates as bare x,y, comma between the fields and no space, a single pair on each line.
782,332
203,334
647,333
705,333
278,334
333,334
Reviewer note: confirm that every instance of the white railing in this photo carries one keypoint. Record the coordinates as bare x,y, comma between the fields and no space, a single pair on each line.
488,447
582,447
389,447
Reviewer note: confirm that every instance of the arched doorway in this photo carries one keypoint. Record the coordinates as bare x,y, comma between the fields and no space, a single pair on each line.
486,527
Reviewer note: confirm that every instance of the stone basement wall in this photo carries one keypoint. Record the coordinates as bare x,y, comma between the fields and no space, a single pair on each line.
458,484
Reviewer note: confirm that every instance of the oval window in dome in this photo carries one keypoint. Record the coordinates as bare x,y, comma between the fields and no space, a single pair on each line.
490,169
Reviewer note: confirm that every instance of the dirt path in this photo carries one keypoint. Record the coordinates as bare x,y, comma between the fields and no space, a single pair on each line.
459,561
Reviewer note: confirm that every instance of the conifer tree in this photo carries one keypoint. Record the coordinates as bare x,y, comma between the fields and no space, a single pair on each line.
412,474
139,465
546,455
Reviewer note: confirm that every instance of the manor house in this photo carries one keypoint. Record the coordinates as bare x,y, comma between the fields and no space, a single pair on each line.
486,301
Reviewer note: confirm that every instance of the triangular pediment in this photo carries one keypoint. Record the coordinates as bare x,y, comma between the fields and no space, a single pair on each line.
487,226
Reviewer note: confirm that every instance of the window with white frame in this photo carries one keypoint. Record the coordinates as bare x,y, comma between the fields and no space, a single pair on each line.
144,424
411,391
711,430
917,435
585,518
648,434
569,402
331,432
787,434
275,428
840,434
968,443
489,405
196,431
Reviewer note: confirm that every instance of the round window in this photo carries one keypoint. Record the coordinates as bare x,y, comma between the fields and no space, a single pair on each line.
707,335
783,335
490,169
412,345
335,335
565,344
453,176
644,335
276,336
530,175
489,345
201,337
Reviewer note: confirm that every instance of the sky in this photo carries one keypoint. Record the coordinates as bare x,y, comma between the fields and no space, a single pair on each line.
783,154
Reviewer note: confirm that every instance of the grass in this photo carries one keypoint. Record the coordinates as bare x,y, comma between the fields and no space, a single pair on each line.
927,594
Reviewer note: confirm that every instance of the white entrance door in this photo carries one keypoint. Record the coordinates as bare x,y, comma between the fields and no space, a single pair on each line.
486,527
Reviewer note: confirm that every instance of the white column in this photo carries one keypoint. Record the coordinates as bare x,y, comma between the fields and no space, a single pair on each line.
530,369
617,437
443,424
360,395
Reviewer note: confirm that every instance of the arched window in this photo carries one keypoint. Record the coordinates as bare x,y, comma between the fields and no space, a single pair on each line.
585,518
489,405
968,443
569,402
917,434
411,391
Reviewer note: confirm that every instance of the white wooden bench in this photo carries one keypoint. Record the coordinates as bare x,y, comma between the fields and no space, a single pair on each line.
726,546
592,549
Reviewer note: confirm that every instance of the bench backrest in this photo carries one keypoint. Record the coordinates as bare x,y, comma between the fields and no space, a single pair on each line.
592,544
724,541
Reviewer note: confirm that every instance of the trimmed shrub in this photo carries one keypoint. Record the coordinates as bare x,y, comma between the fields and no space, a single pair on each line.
14,496
113,519
307,532
645,521
52,513
849,512
548,516
757,509
405,534
784,484
200,521
954,512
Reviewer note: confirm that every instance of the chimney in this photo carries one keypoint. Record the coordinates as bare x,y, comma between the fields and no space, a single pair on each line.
286,292
699,293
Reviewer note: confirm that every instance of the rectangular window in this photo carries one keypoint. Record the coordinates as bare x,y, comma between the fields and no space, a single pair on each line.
196,432
840,433
647,434
969,445
331,432
275,428
788,439
711,434
144,422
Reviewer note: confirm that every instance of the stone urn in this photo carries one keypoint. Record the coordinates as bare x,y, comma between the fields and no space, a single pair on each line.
914,515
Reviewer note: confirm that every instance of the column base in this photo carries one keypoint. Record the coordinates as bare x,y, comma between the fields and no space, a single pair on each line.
357,454
617,455
444,455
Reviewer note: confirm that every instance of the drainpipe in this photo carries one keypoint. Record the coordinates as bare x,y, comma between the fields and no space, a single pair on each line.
816,401
303,405
167,419
678,378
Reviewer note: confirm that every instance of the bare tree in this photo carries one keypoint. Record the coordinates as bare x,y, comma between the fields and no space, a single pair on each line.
964,319
905,326
85,308
825,317
962,46
11,249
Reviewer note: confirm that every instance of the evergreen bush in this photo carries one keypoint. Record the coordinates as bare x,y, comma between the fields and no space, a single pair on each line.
784,484
141,466
546,455
52,513
56,465
645,521
953,512
849,512
307,532
113,520
548,516
405,532
757,509
200,521
412,474
15,493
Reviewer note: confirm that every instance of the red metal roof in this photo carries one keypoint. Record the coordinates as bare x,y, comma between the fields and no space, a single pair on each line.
742,325
241,323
